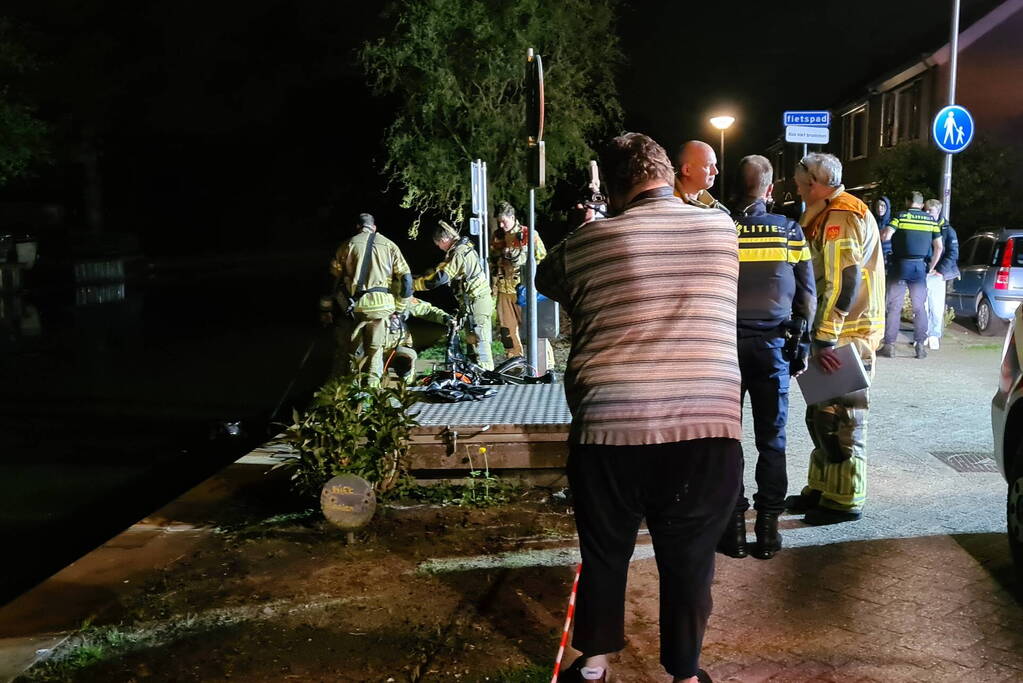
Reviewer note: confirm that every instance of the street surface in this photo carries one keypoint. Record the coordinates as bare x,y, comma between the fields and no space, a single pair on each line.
919,590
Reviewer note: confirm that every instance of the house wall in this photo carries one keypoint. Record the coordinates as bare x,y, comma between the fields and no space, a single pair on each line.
990,70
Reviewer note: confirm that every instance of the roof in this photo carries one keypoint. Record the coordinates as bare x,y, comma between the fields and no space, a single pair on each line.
939,56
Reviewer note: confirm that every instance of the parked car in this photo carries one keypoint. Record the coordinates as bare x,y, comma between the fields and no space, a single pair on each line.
1007,430
990,286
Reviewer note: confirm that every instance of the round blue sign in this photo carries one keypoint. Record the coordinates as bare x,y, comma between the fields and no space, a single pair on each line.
952,129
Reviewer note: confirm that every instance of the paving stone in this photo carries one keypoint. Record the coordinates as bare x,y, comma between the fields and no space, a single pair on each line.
757,673
802,672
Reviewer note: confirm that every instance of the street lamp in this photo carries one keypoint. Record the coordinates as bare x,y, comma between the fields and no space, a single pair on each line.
721,123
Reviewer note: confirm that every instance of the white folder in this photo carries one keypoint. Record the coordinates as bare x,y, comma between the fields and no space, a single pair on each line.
818,386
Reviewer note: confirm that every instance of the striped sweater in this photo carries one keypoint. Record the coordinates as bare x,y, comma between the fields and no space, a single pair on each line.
652,298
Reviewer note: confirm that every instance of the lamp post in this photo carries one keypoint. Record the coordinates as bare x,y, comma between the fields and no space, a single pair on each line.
721,123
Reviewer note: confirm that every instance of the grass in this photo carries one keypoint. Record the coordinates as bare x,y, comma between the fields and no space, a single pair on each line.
90,646
533,673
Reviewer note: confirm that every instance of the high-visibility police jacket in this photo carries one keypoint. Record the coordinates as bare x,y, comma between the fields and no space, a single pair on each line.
387,279
775,272
398,334
463,269
509,251
703,199
845,247
915,232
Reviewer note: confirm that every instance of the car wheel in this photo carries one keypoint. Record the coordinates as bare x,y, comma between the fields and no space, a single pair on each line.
1014,511
988,324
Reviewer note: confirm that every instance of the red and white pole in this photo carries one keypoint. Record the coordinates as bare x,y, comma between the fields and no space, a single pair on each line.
568,623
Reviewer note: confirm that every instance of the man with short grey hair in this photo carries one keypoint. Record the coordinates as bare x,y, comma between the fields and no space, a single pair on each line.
916,249
849,268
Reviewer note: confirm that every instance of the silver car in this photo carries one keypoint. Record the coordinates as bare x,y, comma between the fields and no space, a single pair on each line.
1007,429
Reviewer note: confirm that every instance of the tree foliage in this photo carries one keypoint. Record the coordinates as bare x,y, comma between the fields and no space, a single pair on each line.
23,137
982,180
455,70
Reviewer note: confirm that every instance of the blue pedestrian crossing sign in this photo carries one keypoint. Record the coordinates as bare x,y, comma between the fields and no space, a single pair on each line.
952,129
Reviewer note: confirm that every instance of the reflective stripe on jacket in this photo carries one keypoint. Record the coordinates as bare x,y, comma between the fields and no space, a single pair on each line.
463,269
775,272
842,233
508,256
387,267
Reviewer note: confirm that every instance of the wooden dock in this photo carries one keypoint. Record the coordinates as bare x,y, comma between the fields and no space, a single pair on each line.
524,429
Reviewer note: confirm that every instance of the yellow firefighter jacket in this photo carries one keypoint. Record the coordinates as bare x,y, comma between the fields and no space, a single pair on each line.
703,200
508,255
463,269
842,232
387,268
398,333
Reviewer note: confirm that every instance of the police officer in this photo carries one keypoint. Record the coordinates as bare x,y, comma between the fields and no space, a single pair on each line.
776,303
401,355
508,255
370,275
916,250
463,269
697,169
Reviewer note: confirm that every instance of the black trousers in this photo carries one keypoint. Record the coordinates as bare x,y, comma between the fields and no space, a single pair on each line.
686,491
765,378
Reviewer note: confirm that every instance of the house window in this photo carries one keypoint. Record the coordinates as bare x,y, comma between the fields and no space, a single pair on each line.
854,134
900,114
888,119
907,112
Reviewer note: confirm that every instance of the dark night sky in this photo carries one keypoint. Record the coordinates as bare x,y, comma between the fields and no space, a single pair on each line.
689,61
240,125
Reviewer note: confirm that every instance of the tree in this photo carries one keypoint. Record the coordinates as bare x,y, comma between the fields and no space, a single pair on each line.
23,137
455,70
982,180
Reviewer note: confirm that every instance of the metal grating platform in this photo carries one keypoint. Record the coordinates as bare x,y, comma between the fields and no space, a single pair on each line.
528,404
967,463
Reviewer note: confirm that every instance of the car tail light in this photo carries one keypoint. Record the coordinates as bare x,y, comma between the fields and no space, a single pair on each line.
1010,364
1002,278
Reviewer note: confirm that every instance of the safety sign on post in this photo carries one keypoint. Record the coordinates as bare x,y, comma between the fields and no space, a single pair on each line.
952,129
807,135
815,119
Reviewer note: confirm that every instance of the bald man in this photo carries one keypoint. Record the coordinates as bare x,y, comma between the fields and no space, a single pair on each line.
697,168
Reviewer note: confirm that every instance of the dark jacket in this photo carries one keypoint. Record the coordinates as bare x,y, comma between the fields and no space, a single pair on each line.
776,278
882,223
948,265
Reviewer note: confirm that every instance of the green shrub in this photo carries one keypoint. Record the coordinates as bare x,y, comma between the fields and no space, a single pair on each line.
351,428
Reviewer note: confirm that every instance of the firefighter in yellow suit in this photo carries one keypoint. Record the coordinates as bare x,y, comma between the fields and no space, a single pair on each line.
371,277
508,256
401,355
463,269
848,263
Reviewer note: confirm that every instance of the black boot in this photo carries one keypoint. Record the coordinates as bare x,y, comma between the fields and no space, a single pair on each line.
768,538
733,541
800,503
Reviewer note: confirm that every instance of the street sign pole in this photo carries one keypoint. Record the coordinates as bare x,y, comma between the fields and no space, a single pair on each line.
802,204
485,216
721,167
953,65
535,147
